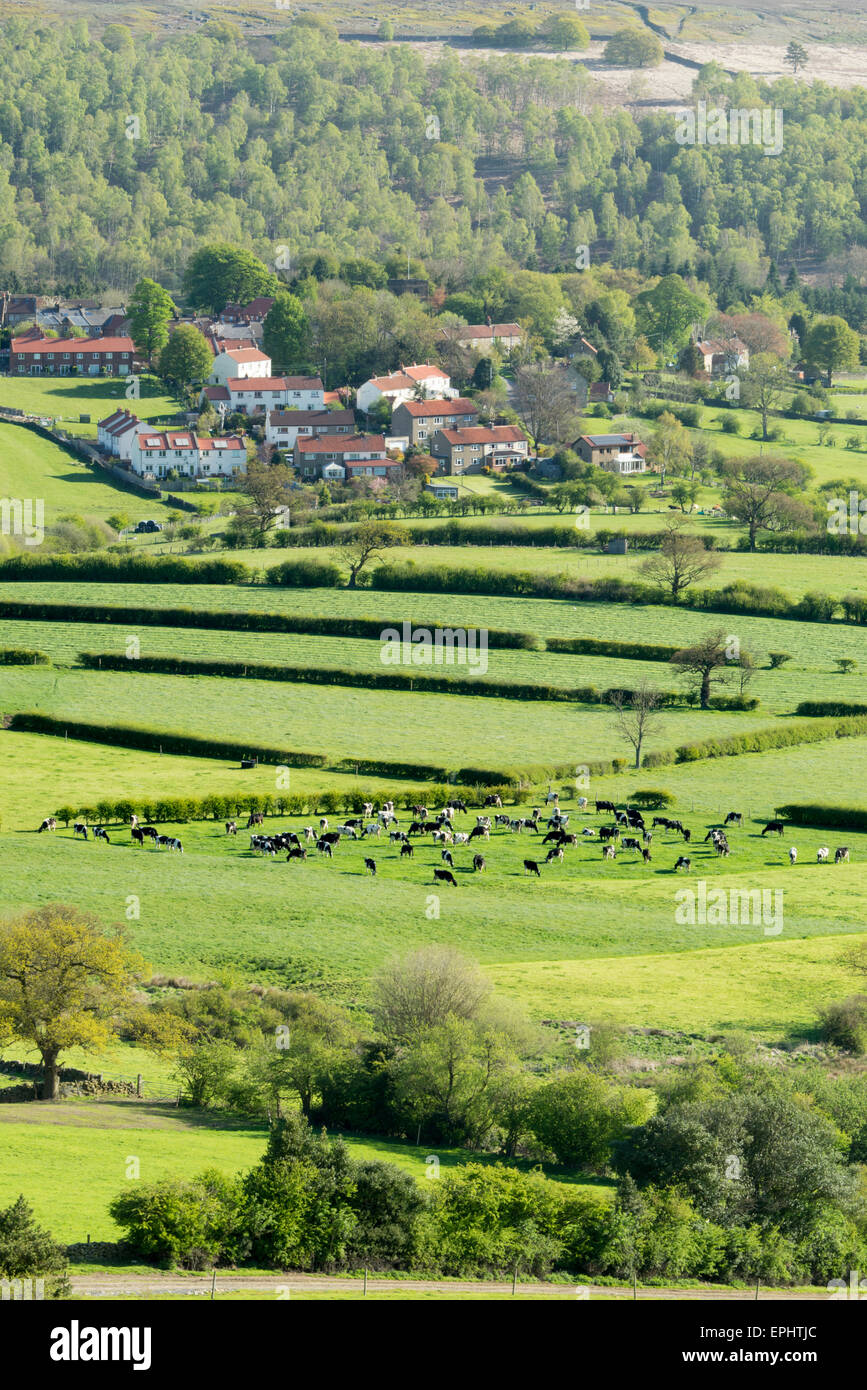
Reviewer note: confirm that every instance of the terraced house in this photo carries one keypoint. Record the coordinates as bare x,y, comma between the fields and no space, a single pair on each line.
339,457
38,356
156,454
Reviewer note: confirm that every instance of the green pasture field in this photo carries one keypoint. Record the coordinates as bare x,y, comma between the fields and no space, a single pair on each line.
624,622
32,466
71,1158
42,773
813,675
794,574
66,398
346,722
551,942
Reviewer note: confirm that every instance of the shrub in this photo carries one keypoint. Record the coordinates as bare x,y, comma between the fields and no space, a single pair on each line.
21,656
651,799
817,607
184,1223
845,1024
778,659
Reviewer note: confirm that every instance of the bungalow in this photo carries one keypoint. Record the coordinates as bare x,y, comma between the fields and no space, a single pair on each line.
409,382
485,336
722,355
616,453
467,450
239,363
34,356
116,434
418,420
156,454
444,491
284,426
339,456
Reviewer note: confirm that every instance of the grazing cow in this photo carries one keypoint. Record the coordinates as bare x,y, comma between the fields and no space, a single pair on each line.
711,835
460,838
621,817
734,818
569,840
483,822
635,818
150,831
99,833
841,855
494,800
173,844
502,820
591,834
48,824
609,852
445,876
609,832
552,796
478,864
555,835
138,836
645,854
416,828
556,853
368,808
323,823
660,820
605,806
446,856
480,832
631,843
683,863
323,847
370,866
517,825
773,827
582,803
332,838
459,806
647,836
443,837
687,834
133,820
420,812
255,818
349,831
822,855
231,827
406,851
166,840
374,828
79,828
309,832
531,867
397,837
793,855
297,853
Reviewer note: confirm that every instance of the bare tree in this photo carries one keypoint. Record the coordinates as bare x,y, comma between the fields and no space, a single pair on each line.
700,664
758,492
427,988
637,715
681,560
545,402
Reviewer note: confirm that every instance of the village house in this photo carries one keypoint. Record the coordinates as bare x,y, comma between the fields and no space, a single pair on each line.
616,453
284,426
239,363
337,457
254,312
96,322
418,420
254,395
723,355
468,450
484,336
410,382
155,454
116,434
37,356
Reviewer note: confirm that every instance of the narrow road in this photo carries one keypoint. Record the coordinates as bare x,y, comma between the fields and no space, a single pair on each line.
148,1285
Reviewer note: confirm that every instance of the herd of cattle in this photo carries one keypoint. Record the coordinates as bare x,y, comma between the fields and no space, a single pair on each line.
553,829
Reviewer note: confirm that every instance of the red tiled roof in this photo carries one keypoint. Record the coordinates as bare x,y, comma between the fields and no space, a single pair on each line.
421,409
342,443
28,344
481,434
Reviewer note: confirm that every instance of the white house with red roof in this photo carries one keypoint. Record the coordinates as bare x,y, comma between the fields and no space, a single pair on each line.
468,450
156,453
284,426
420,380
239,363
257,394
116,434
34,355
343,456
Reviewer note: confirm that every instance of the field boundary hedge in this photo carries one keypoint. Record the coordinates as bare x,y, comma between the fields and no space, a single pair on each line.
818,708
389,679
825,815
23,656
212,619
132,736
